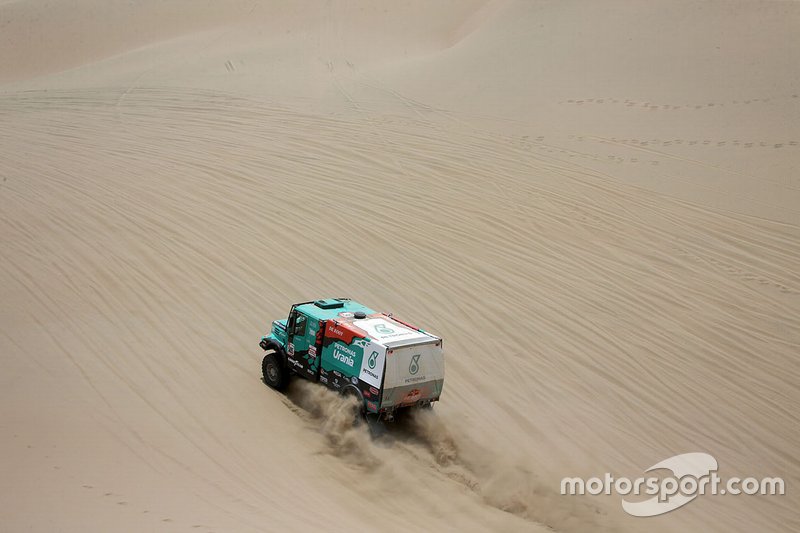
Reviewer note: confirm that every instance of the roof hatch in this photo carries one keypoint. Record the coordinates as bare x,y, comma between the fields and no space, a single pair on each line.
330,303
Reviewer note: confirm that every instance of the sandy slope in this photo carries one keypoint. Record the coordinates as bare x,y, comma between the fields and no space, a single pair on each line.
595,204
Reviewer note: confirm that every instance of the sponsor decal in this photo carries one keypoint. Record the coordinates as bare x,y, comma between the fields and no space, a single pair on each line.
414,379
337,373
384,330
366,393
335,331
323,379
346,314
413,368
354,380
290,349
312,351
344,354
412,396
371,367
373,390
372,406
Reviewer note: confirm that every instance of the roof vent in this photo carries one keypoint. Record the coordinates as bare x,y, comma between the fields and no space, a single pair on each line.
329,304
359,314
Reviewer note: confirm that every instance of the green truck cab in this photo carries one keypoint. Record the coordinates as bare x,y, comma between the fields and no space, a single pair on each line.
388,364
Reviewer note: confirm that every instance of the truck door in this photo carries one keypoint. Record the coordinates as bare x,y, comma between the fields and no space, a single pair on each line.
304,343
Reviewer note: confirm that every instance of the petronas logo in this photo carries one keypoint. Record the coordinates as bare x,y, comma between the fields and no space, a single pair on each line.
383,329
413,368
372,359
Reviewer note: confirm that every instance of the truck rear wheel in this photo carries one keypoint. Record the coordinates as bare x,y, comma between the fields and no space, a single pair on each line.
275,374
358,411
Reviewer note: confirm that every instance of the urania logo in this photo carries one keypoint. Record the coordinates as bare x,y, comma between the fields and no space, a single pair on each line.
372,359
413,368
344,354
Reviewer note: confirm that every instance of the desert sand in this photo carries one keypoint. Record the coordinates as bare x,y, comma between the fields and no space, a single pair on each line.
595,204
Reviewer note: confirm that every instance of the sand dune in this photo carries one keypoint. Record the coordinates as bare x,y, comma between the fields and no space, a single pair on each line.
595,204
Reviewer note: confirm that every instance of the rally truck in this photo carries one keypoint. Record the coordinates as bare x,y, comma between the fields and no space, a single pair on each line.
389,365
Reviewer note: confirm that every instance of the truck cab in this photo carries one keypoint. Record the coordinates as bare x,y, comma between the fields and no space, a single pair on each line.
387,363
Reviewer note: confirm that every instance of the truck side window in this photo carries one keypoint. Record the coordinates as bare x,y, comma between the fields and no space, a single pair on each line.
300,325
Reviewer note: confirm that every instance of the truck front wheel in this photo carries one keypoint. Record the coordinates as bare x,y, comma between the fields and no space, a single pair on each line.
275,374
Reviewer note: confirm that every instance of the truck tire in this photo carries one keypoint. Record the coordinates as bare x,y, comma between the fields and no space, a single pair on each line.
274,372
359,412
